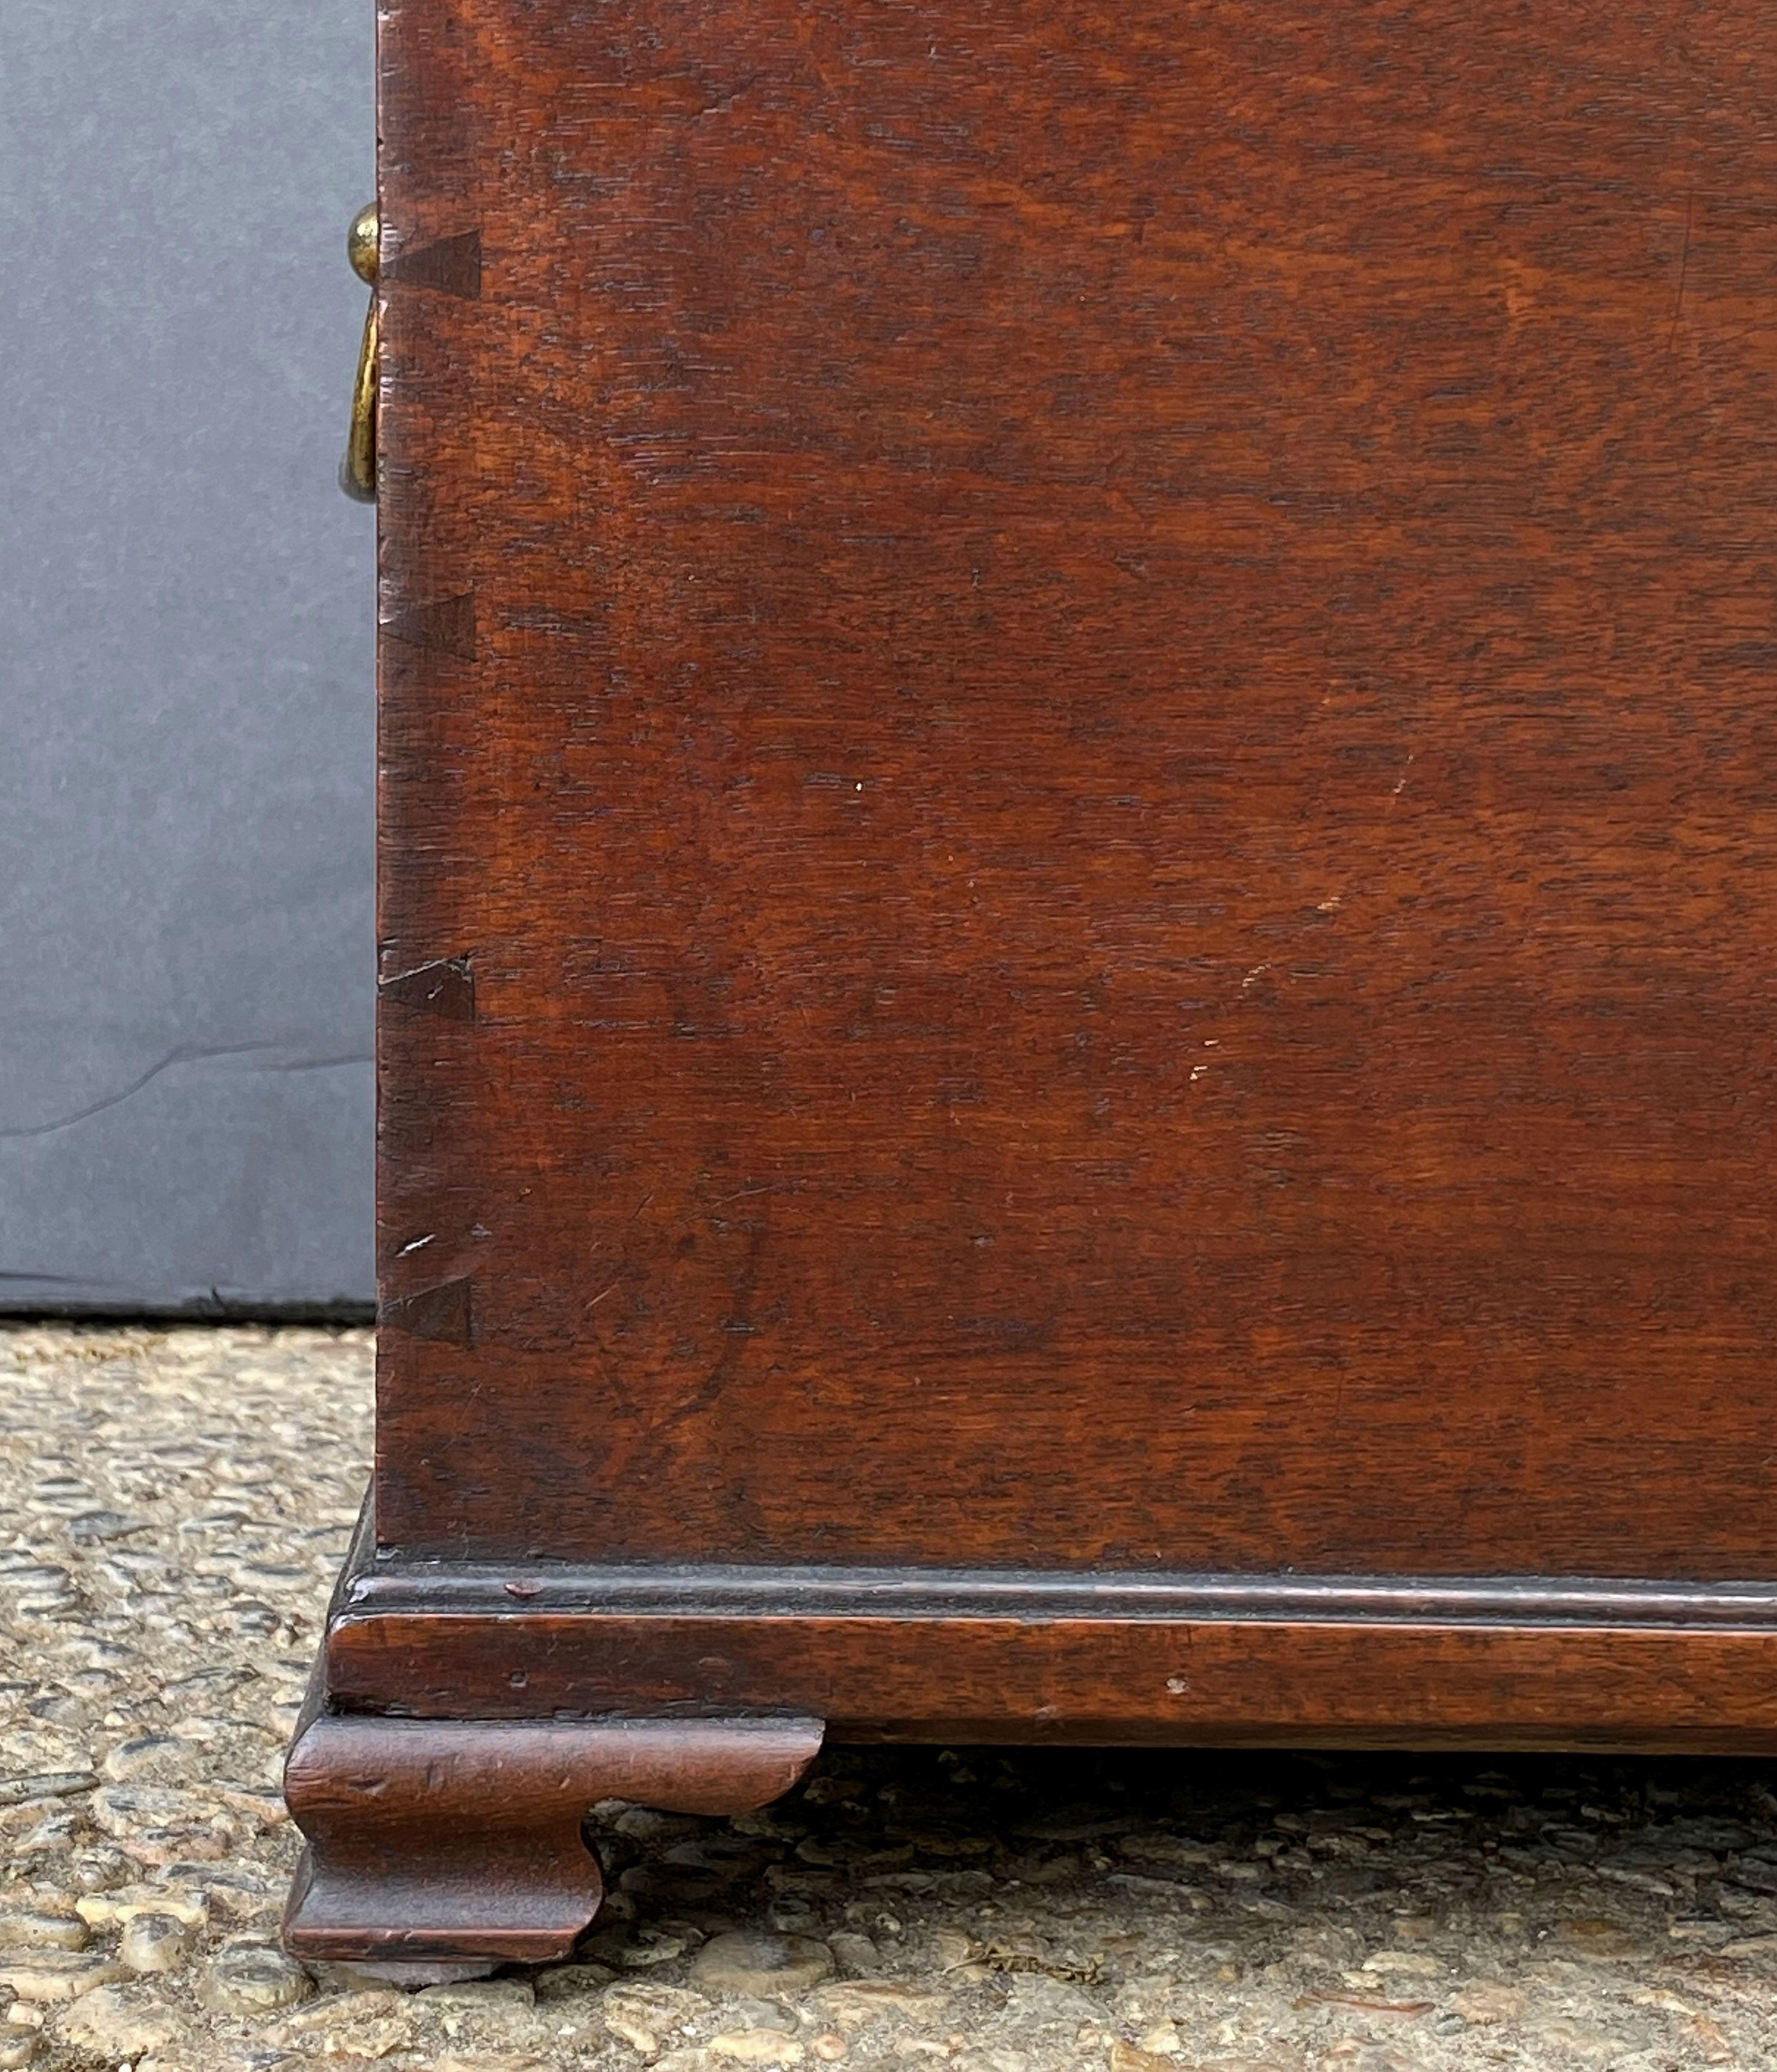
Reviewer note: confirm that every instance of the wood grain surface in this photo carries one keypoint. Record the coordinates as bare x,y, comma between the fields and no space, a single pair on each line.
1082,699
1246,1683
446,1840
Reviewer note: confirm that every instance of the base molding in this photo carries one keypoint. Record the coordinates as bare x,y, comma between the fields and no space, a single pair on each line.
436,1841
392,1582
1526,1662
466,1717
1230,1682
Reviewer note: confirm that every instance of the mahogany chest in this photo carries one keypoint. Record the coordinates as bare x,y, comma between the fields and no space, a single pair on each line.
1078,844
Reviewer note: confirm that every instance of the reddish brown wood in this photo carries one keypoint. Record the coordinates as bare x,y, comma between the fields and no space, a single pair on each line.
1090,689
433,1841
1245,1683
1078,863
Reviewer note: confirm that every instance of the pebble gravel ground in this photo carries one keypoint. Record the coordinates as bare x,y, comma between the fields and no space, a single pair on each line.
173,1506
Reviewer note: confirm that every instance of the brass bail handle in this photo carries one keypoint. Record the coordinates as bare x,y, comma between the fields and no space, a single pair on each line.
358,470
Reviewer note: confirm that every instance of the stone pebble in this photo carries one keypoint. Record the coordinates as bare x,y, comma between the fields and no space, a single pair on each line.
643,2016
42,1928
118,2023
757,2046
745,1961
155,1943
121,1905
256,1980
58,1975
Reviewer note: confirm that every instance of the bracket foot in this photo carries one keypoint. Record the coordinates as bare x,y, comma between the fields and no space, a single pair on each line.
437,1842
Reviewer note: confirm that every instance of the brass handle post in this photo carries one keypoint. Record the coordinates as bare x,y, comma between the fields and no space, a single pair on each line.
358,470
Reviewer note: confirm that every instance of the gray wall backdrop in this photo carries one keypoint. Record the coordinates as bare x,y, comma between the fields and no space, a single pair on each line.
186,632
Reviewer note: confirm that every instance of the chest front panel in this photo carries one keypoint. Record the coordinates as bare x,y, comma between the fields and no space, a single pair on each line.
1078,834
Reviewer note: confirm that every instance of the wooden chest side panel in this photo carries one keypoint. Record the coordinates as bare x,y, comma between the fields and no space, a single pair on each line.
1083,698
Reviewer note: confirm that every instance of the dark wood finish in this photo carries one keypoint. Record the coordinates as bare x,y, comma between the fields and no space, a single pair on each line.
1078,863
388,1586
1247,1682
1112,807
930,1655
439,1840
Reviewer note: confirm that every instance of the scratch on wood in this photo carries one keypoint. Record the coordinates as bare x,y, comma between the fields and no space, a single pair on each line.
443,985
1684,269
